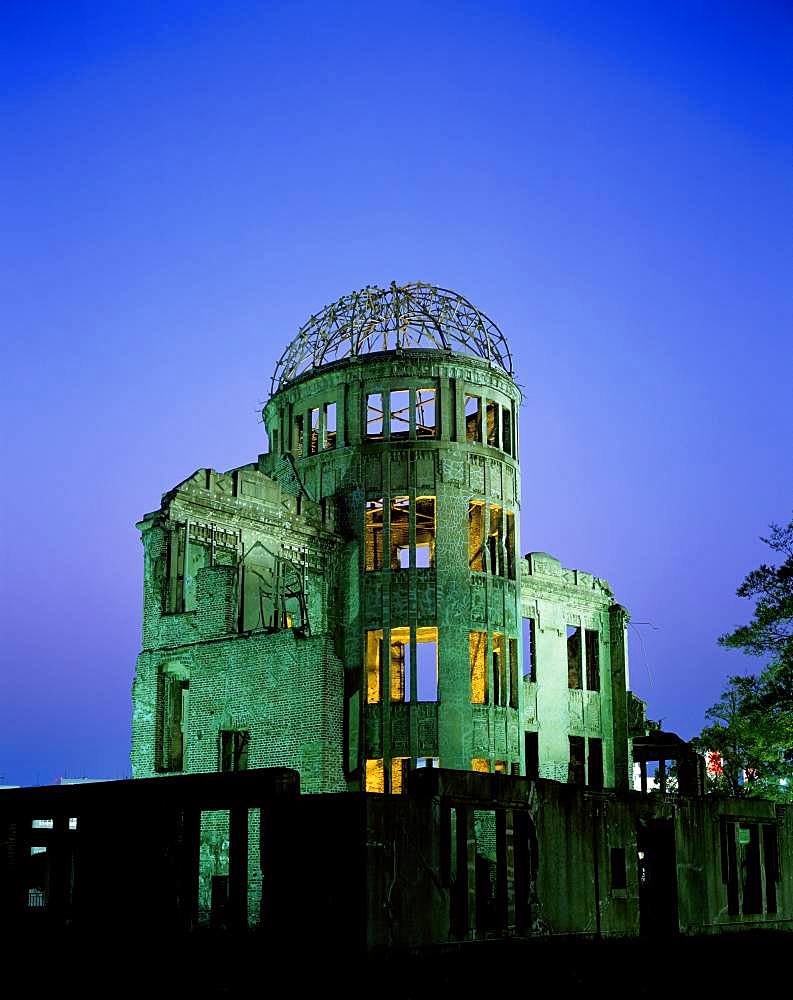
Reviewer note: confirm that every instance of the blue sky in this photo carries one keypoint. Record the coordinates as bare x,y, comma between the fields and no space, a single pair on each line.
183,184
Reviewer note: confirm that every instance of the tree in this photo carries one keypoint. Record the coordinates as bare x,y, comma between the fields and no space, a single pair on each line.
751,727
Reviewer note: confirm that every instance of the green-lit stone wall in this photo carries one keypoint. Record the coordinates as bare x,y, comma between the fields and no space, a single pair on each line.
449,596
258,596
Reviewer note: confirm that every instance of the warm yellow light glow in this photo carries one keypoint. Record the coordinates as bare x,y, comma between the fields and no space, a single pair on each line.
374,666
375,776
478,647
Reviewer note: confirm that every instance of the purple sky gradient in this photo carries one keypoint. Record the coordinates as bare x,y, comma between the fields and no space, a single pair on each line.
183,184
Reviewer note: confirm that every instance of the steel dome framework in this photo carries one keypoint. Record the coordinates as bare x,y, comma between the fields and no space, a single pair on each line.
400,317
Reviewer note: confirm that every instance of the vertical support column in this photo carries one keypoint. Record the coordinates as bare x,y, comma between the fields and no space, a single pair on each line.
502,893
466,823
618,618
509,834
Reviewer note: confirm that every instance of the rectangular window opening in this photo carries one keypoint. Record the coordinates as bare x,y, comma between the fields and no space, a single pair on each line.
400,413
476,532
427,664
425,413
400,664
375,776
492,423
481,764
173,719
500,767
373,532
495,550
595,763
592,640
473,419
330,426
374,666
400,532
575,775
619,873
425,532
399,770
374,416
513,673
477,643
234,750
427,762
529,649
573,657
313,441
532,746
771,859
506,430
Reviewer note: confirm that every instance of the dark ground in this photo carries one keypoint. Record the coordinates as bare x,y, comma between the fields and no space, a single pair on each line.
209,965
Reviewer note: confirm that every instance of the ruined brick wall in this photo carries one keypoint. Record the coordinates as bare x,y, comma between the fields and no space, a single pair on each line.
287,691
556,598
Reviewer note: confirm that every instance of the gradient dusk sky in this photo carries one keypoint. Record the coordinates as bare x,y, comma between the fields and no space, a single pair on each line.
183,183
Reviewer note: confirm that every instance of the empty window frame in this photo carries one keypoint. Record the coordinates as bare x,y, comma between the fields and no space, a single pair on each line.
374,416
771,865
749,848
532,750
330,426
174,698
234,750
473,419
512,645
313,441
495,549
499,670
399,770
477,644
594,764
399,416
373,534
427,664
619,873
425,413
592,649
510,544
375,776
530,649
575,774
425,532
476,535
374,666
481,764
500,767
506,430
573,657
400,664
492,413
427,762
400,532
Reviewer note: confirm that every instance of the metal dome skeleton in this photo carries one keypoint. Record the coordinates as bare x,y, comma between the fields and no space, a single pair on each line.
400,317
